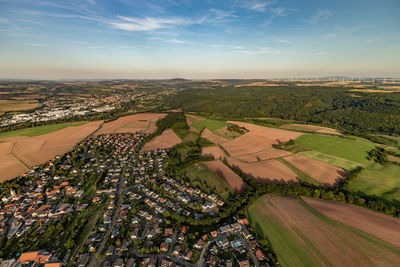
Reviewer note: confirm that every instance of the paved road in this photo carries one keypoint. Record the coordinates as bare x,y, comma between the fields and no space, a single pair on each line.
94,262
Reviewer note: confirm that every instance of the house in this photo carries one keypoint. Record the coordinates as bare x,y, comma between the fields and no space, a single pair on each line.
223,243
244,263
130,263
199,244
168,231
110,251
34,256
243,221
214,233
176,251
236,227
189,255
150,261
260,255
164,246
167,263
225,229
211,261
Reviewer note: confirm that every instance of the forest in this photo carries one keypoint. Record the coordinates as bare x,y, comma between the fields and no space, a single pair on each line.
356,113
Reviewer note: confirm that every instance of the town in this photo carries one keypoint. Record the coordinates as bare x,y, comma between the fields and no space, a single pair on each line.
108,203
59,107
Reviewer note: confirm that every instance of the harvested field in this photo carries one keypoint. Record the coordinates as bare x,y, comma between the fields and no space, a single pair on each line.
381,226
192,119
269,171
310,128
214,151
258,138
322,172
16,105
10,167
264,155
207,134
167,139
37,150
235,181
301,236
144,123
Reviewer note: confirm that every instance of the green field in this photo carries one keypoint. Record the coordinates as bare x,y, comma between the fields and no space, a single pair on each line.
300,236
378,180
200,175
212,125
345,148
40,130
339,162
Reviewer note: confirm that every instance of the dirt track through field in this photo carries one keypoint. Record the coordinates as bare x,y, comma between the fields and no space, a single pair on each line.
235,181
322,172
305,239
381,226
264,155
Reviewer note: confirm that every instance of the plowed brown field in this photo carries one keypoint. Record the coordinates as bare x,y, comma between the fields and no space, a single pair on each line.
258,138
235,181
144,123
167,139
214,151
381,226
264,155
269,171
207,134
320,171
301,237
39,149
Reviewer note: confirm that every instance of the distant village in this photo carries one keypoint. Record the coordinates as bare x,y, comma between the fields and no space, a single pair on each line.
106,203
67,106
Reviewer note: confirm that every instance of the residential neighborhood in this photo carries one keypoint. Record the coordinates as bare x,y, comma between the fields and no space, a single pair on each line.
106,203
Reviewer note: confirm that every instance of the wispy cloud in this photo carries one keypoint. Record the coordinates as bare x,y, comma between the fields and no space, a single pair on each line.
127,47
281,11
172,41
148,23
35,44
80,42
257,51
321,15
4,20
95,47
255,5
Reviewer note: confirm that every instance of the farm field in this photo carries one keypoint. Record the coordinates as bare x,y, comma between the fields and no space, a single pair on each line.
28,151
350,149
264,155
214,151
200,174
381,226
382,181
266,171
339,162
17,105
257,139
207,134
300,236
310,128
143,122
212,125
167,139
40,130
322,172
235,181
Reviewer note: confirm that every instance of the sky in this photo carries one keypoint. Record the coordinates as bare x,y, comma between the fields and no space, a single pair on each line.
157,39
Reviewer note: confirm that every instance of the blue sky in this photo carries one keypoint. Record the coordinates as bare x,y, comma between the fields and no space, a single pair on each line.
47,39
